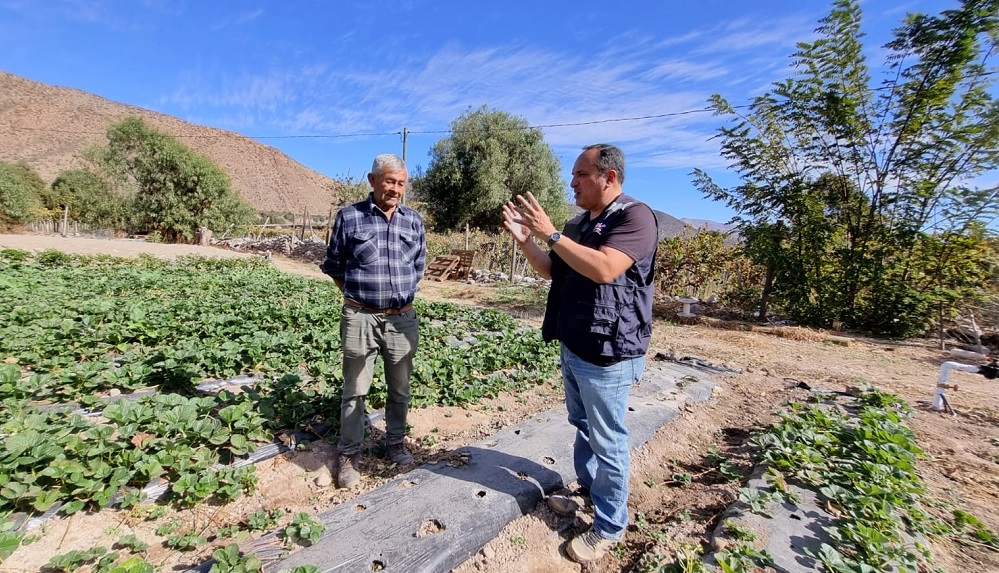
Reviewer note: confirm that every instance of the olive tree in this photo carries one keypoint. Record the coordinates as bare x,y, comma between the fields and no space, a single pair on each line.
490,157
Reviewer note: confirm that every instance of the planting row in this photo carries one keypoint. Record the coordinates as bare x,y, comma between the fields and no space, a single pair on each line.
74,326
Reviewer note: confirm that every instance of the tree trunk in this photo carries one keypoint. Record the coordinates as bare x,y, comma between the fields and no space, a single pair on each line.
768,284
940,318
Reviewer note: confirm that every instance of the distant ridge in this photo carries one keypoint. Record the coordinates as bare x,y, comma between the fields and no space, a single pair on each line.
47,126
709,225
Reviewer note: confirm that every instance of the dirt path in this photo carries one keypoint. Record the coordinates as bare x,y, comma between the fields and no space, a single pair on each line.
961,469
114,247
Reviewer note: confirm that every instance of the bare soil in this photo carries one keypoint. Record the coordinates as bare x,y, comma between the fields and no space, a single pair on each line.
961,468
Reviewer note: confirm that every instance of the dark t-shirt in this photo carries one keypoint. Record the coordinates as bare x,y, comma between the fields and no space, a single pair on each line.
633,233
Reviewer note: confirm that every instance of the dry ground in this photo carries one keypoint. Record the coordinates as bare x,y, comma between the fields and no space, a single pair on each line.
960,469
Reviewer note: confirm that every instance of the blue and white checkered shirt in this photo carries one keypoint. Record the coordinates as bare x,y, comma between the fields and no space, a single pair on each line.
380,261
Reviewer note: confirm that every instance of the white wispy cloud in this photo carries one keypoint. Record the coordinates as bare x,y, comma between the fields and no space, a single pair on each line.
630,77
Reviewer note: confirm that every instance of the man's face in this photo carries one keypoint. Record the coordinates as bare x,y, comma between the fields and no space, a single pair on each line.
388,187
588,183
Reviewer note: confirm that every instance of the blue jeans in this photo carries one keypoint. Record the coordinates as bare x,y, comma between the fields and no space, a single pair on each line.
597,398
364,336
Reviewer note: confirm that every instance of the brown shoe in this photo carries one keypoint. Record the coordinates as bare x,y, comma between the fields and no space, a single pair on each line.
347,474
589,546
398,454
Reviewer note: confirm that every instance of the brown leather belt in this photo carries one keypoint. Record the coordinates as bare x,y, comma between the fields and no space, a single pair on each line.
355,304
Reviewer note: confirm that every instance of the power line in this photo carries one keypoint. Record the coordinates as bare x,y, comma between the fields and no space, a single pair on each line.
593,122
383,134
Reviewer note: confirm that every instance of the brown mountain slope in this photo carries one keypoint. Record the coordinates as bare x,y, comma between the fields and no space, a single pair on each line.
47,126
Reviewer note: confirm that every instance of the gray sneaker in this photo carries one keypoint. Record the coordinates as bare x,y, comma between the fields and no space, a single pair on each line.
347,474
589,546
398,454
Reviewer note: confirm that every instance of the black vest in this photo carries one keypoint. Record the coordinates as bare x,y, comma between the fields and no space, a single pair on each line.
601,323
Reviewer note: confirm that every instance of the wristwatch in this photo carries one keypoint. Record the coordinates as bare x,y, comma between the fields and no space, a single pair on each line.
553,238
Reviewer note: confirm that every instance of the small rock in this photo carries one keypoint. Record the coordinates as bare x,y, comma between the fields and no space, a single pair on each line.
488,552
324,478
114,392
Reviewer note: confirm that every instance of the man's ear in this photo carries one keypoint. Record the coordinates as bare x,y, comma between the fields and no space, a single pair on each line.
612,176
371,180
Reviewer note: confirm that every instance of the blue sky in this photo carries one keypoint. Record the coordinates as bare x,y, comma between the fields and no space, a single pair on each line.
350,75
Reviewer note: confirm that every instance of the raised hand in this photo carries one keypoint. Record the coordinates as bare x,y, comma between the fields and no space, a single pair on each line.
533,216
513,220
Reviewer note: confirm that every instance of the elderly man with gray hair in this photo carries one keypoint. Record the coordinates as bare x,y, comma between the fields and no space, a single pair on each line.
377,256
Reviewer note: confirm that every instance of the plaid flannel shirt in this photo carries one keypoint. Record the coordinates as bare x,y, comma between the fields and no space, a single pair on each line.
380,261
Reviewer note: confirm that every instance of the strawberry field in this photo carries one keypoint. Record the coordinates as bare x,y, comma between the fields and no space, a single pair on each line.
101,358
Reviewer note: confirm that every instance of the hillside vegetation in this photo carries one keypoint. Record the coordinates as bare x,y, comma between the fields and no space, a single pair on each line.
47,127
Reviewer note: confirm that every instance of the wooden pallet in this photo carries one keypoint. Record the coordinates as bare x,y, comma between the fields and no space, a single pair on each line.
441,267
464,268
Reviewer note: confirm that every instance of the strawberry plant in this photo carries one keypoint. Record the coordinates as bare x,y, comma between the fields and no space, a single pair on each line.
866,466
76,559
10,540
132,543
77,326
303,529
186,542
228,560
130,565
263,520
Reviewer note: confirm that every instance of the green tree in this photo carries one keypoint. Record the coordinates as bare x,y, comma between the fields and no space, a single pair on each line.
863,180
490,157
20,192
90,199
174,190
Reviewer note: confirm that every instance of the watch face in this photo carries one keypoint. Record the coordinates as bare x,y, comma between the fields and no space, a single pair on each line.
553,238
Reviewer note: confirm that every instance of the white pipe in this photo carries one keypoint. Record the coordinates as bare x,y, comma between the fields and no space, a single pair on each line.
942,386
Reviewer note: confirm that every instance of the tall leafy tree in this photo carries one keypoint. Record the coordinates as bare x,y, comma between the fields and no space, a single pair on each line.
174,189
847,184
89,199
20,193
490,157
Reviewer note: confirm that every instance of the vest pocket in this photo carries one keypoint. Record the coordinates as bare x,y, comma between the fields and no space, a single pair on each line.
590,327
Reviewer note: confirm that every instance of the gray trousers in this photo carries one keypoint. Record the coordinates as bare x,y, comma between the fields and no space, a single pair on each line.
364,335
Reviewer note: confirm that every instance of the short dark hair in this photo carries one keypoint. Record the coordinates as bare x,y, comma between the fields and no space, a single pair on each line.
609,157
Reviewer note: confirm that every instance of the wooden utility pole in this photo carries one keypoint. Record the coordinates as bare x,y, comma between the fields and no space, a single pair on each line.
405,136
513,256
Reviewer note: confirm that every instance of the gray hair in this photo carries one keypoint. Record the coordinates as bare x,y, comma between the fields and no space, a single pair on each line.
387,162
609,157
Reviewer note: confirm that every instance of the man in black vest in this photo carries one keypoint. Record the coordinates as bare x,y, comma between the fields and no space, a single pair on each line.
600,308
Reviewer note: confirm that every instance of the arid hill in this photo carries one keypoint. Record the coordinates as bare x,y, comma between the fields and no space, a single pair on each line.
47,126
